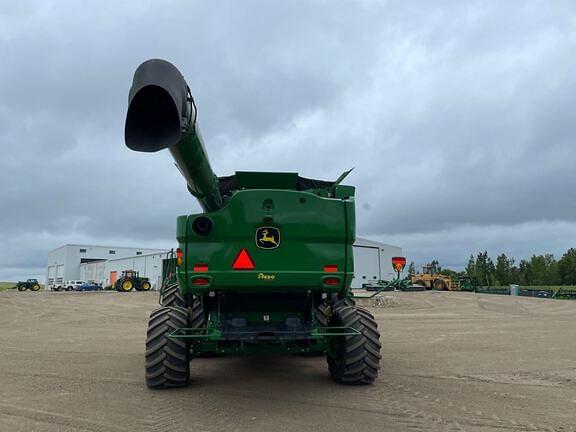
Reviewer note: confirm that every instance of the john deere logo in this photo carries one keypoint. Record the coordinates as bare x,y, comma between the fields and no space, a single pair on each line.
268,237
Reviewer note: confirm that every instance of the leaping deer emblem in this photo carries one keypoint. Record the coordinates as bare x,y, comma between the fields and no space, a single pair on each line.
266,238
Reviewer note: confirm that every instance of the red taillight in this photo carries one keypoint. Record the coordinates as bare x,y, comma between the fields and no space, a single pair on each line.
179,256
398,263
200,267
331,281
243,261
330,268
200,281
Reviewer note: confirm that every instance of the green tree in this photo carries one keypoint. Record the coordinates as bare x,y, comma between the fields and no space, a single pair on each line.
567,268
543,270
524,272
503,272
471,267
411,268
434,266
552,271
485,269
452,273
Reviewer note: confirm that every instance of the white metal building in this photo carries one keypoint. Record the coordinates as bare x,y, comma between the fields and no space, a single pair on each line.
373,261
64,262
107,272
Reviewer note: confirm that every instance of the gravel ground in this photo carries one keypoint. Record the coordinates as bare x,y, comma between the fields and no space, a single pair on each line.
451,361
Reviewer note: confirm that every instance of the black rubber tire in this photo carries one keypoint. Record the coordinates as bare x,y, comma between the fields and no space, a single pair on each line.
172,296
197,320
35,287
21,288
356,359
196,313
346,301
145,286
440,285
322,314
167,359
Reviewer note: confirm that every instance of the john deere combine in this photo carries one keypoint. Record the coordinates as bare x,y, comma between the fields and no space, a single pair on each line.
265,269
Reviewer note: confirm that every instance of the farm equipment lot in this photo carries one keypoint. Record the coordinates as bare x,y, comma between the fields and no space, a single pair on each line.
450,361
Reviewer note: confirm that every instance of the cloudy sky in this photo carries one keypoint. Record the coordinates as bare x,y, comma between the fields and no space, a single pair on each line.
459,117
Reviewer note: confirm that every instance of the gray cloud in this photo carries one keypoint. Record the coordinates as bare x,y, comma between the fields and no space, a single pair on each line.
458,117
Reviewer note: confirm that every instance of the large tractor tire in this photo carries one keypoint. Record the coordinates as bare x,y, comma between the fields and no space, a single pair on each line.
346,301
323,311
196,314
355,359
172,296
35,287
126,285
440,285
322,314
167,359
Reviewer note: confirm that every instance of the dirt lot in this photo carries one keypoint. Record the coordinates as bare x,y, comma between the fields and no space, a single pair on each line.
452,361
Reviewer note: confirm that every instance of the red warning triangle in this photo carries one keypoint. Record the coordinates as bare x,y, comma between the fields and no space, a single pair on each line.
243,261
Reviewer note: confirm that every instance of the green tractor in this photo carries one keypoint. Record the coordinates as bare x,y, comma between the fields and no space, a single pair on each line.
266,267
29,284
468,283
130,280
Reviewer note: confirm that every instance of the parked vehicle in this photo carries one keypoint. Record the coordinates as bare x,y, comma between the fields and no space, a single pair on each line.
89,286
131,279
71,285
430,278
29,284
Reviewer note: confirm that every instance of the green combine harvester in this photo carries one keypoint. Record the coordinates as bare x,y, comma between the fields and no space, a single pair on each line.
265,269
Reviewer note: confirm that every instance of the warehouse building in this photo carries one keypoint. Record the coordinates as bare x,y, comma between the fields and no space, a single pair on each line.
107,272
104,265
64,262
373,261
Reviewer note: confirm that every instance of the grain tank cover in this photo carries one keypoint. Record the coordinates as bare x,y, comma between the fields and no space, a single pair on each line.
242,180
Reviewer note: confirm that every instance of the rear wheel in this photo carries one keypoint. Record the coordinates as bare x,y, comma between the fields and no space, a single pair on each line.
171,296
322,314
440,285
167,359
346,301
354,359
126,285
35,287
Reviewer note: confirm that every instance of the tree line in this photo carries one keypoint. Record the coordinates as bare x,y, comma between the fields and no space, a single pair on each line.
538,270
